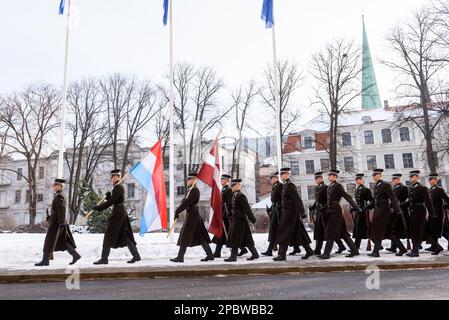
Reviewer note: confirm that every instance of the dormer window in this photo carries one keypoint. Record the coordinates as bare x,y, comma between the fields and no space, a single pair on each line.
366,119
308,143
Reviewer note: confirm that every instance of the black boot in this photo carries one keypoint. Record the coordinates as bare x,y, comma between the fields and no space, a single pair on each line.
44,262
400,246
377,248
104,256
358,242
243,251
75,255
208,250
269,252
318,247
393,247
341,247
233,257
181,253
414,253
309,252
327,250
354,250
217,253
296,250
282,253
254,254
133,249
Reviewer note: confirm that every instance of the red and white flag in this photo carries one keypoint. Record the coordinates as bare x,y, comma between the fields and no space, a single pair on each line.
210,175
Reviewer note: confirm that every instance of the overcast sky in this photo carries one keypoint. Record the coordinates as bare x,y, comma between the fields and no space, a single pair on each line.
128,36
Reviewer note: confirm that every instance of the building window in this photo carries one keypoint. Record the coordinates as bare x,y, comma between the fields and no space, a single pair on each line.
41,173
386,136
369,137
19,174
366,119
350,188
389,161
408,183
310,167
404,134
268,149
180,191
131,190
167,187
325,165
3,199
40,197
311,192
166,163
18,196
346,139
349,164
308,143
407,159
371,162
295,168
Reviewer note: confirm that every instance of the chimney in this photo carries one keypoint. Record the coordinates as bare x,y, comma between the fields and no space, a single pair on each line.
386,105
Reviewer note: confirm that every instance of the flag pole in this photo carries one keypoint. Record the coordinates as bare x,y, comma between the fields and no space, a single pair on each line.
172,126
277,101
60,172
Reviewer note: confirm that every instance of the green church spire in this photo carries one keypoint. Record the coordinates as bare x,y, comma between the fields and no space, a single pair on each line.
370,95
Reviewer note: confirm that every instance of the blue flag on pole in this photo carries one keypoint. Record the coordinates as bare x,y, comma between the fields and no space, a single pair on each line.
165,18
267,13
61,7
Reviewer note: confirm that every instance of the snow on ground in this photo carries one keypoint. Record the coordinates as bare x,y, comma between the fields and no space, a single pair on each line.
21,251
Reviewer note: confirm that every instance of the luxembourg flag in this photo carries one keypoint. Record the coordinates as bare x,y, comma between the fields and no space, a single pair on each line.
149,172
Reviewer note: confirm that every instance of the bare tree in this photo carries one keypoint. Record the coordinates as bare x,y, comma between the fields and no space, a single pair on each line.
89,138
417,61
337,70
242,99
289,81
28,118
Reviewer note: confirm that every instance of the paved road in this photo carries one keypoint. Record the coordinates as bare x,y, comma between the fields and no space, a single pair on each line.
423,284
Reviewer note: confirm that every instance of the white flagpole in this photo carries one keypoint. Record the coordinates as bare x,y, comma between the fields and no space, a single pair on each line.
172,126
277,102
60,172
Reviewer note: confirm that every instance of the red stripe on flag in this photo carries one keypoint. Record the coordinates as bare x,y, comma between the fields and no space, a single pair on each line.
159,184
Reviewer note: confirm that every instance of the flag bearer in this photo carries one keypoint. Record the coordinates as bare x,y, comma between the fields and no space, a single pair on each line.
226,197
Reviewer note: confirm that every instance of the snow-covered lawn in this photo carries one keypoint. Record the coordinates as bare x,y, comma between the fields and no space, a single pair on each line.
21,251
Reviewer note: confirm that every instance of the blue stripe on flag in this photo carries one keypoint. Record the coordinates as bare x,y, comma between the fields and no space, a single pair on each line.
150,212
267,13
165,18
141,174
61,7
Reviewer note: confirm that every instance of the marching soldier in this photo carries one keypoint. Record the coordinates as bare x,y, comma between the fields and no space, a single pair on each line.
59,237
333,217
364,199
118,232
276,207
240,234
440,200
291,230
226,197
419,205
399,222
193,232
386,204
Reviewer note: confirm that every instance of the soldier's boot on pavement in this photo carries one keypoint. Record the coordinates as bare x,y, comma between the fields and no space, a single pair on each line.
133,249
233,257
414,253
327,250
309,252
243,251
437,248
353,248
104,256
254,254
341,247
282,254
393,247
217,253
318,247
208,250
397,243
75,255
377,248
44,262
269,252
181,253
296,250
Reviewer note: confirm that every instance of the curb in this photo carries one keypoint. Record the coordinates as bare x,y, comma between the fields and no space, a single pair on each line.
151,273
